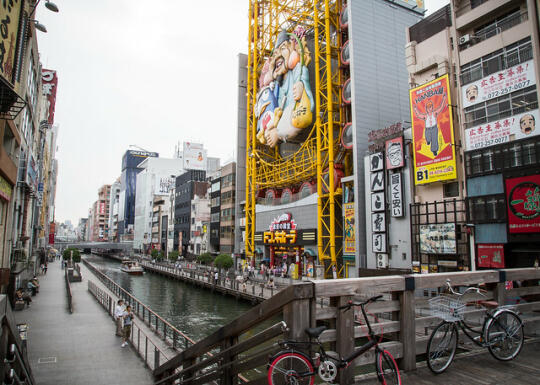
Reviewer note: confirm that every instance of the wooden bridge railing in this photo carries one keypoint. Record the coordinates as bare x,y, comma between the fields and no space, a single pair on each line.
401,316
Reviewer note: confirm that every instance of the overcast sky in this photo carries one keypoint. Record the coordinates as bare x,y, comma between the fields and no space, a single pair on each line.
149,73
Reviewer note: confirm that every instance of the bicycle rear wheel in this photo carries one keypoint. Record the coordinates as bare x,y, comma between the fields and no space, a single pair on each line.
387,369
442,346
291,368
504,335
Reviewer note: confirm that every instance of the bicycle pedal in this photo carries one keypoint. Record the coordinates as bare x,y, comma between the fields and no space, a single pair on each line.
478,339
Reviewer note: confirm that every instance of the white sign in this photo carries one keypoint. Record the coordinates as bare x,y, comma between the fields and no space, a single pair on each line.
194,156
377,201
377,181
498,84
501,131
164,185
396,195
379,242
378,222
376,162
438,238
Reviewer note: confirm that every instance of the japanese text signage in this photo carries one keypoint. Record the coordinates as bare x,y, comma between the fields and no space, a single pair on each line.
502,131
491,255
378,215
438,238
50,81
10,11
349,237
498,84
433,132
523,200
279,237
396,195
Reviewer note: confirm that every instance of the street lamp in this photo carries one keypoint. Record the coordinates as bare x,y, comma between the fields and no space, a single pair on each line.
50,6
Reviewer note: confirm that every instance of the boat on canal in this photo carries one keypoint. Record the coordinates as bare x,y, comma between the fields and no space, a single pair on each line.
131,267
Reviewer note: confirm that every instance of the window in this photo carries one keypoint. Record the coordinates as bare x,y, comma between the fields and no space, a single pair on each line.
9,141
487,209
451,190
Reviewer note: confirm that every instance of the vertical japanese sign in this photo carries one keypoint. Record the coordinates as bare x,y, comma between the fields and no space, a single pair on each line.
378,216
491,255
433,132
396,194
50,81
10,12
523,199
349,246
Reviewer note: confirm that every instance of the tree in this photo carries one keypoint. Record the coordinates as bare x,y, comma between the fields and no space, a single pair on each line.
205,258
154,253
76,254
224,261
173,255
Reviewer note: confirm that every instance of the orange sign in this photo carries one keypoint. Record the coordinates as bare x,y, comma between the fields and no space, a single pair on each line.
433,132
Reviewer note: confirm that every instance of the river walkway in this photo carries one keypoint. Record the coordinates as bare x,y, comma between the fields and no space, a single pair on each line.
78,348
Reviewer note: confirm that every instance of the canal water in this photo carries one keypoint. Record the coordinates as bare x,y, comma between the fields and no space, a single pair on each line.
195,311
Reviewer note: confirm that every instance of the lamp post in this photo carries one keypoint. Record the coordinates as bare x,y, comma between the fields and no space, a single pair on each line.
50,6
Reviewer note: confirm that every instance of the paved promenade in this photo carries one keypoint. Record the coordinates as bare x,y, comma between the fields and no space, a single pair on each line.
78,348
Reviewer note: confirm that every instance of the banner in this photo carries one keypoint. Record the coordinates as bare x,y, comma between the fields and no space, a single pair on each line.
349,236
164,185
498,84
523,200
50,81
502,131
433,132
10,12
438,238
491,255
194,156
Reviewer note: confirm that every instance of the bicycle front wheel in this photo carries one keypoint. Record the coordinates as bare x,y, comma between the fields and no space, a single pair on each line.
442,346
291,368
387,369
504,336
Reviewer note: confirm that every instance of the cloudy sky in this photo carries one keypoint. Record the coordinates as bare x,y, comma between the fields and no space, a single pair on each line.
148,73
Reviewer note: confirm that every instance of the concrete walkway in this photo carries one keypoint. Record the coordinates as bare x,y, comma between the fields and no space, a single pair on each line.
78,348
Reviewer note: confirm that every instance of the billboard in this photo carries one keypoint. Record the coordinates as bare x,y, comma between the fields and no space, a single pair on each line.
349,238
10,12
285,105
498,84
50,81
394,153
194,156
491,255
163,185
523,200
438,238
433,132
505,130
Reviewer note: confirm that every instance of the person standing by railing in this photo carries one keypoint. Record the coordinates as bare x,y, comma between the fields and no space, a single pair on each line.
118,314
128,320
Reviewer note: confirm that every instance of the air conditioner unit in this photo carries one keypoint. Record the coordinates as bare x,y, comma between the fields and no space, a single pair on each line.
382,261
464,39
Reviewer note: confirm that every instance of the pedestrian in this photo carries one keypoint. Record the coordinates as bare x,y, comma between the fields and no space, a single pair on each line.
42,268
128,320
334,272
118,314
22,297
45,268
216,277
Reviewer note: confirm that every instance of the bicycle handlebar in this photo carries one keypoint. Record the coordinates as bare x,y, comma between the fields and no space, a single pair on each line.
475,289
351,303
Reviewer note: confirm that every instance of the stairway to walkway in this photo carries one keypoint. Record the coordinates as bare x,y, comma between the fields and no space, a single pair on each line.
79,348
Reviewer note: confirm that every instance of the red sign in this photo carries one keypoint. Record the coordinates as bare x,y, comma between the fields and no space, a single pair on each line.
50,81
394,153
101,208
523,200
491,255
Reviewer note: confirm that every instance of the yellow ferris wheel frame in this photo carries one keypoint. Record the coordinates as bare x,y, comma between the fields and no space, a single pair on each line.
316,156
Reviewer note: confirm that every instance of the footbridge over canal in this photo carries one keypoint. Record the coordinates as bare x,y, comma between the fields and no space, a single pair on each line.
111,246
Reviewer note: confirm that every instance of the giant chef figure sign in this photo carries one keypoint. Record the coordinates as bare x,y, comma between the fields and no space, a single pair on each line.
285,102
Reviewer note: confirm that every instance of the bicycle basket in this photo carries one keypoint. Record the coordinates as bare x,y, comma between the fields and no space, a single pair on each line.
449,308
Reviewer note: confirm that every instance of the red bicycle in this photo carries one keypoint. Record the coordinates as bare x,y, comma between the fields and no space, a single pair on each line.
292,366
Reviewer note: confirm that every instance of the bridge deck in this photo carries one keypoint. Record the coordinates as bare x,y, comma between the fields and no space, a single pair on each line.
479,368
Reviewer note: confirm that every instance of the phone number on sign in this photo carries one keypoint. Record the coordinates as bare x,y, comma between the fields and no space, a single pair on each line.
489,142
507,90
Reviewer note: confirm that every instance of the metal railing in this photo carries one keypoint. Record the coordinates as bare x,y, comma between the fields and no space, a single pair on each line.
171,335
15,368
497,28
146,349
68,291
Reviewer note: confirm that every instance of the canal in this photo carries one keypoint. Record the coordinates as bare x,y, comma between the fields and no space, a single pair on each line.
195,311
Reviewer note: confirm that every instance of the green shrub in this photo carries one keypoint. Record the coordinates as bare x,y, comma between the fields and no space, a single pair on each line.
154,253
205,258
173,255
224,261
76,254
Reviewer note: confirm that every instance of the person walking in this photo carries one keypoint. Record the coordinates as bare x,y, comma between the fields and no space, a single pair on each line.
128,320
118,314
216,277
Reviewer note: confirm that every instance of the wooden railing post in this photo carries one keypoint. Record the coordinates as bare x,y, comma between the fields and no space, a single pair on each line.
407,327
344,337
227,378
296,315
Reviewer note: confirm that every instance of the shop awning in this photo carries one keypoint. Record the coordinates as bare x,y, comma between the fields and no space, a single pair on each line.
310,252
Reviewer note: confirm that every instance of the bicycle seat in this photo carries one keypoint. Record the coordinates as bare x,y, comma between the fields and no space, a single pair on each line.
315,332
